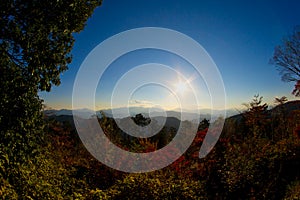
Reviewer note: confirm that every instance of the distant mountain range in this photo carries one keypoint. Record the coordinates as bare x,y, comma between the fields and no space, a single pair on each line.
156,112
169,118
119,113
84,113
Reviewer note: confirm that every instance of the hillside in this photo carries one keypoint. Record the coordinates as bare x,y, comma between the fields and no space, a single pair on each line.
235,125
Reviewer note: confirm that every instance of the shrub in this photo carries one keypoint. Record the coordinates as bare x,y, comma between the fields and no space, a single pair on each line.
156,185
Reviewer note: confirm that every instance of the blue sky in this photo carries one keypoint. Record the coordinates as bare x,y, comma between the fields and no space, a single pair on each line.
240,37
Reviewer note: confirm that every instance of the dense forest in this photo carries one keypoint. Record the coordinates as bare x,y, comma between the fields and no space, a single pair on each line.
257,157
42,157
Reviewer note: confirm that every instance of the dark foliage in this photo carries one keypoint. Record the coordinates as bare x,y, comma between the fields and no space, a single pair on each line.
36,38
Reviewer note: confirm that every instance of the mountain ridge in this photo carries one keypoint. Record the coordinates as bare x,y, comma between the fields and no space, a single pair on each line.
132,111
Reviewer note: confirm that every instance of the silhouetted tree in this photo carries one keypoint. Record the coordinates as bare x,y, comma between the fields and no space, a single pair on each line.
256,116
140,120
281,100
203,124
286,58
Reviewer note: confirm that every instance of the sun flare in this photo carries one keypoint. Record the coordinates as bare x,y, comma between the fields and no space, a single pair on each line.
181,87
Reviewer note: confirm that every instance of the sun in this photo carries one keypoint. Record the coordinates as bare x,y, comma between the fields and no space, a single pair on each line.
181,87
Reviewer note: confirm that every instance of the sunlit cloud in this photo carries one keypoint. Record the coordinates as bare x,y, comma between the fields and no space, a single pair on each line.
140,103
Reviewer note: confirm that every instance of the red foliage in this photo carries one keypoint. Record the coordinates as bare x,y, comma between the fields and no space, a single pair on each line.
200,136
297,132
296,90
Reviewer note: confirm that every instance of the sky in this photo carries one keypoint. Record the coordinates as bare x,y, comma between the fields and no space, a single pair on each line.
239,36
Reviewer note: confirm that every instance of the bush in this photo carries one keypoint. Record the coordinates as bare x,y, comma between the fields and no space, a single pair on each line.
259,168
156,185
293,191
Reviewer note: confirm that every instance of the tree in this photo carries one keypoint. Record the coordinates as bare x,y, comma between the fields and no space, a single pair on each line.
279,119
286,58
203,124
280,101
256,116
36,38
140,120
296,90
